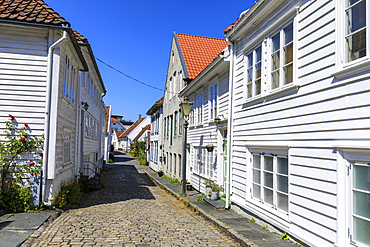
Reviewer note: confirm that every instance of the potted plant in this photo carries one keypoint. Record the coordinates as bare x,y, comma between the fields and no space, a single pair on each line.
208,189
215,190
210,147
160,173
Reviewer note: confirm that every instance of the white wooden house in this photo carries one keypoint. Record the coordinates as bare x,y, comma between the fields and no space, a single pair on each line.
132,133
299,120
210,93
108,136
40,62
155,112
92,115
190,55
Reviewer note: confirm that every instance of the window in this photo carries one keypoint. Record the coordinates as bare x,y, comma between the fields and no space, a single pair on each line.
175,167
171,133
180,123
200,108
82,76
66,77
270,180
175,126
204,162
282,58
165,127
254,67
67,148
174,85
180,167
355,29
72,85
168,126
213,102
192,114
88,83
360,194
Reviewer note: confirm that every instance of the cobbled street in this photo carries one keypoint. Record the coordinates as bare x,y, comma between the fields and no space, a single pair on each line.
130,211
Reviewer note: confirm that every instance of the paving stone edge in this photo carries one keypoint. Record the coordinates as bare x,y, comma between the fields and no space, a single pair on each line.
28,242
243,241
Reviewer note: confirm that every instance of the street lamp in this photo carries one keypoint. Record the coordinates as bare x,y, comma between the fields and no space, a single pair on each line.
185,107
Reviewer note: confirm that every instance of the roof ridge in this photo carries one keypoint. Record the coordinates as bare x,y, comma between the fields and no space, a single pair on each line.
194,35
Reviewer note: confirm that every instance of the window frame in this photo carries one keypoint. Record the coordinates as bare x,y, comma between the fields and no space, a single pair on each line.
67,150
252,66
199,109
213,101
67,64
180,122
175,124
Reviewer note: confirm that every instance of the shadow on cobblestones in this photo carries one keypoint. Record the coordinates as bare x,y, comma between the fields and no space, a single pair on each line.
121,182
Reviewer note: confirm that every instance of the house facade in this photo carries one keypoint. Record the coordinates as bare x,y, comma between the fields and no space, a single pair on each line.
40,67
92,118
155,144
132,133
212,87
190,54
108,135
299,118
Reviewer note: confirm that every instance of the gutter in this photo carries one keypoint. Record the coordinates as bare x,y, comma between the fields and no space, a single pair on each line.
47,112
230,122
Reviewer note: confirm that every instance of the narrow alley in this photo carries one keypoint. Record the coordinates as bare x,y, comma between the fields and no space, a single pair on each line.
130,211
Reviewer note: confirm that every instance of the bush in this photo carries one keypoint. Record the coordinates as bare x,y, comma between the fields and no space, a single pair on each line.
69,194
15,199
160,173
111,156
110,161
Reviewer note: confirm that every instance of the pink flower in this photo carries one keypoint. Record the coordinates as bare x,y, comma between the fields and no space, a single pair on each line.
22,139
34,135
26,124
32,164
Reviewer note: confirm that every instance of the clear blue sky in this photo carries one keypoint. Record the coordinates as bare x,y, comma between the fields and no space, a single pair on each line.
135,37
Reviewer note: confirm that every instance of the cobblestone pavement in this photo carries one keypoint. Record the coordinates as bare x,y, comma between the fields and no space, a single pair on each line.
130,211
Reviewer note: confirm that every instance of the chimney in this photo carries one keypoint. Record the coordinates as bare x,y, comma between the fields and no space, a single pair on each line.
139,116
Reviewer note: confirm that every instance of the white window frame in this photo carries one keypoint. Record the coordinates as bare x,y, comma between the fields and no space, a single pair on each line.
203,162
275,153
199,109
67,138
346,69
250,62
213,101
72,84
67,64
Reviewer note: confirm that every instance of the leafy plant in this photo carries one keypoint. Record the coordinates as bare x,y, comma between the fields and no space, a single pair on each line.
200,198
110,161
284,236
265,227
70,193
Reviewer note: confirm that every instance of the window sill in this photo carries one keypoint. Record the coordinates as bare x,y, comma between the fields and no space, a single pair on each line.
273,94
353,69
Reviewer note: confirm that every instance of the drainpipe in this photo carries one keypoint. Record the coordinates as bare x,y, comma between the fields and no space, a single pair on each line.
230,123
47,112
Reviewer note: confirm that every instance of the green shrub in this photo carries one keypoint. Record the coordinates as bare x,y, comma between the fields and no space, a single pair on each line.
15,199
110,161
111,156
69,194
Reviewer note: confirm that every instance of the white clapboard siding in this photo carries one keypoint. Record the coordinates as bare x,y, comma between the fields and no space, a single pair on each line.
23,70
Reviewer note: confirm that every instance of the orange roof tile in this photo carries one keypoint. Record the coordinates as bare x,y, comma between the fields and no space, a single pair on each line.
231,26
132,127
119,133
142,132
114,120
156,105
34,11
198,51
79,37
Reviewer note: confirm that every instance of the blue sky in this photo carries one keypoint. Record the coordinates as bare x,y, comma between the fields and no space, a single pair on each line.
135,38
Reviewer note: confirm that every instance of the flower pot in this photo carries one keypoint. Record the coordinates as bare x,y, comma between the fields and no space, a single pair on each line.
214,196
208,190
189,187
210,148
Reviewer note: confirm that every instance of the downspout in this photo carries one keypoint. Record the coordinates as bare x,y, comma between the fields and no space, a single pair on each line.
47,111
230,123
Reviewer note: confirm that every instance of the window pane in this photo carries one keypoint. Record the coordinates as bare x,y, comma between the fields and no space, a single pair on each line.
258,54
361,177
282,184
356,46
250,75
361,204
282,165
249,90
256,161
268,198
351,2
361,230
276,43
288,32
256,176
288,74
282,202
268,179
268,163
256,191
356,17
257,87
250,60
258,70
275,79
275,61
288,54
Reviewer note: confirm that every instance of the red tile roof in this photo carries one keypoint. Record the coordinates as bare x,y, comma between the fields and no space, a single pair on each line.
107,119
34,11
198,51
132,127
114,120
154,107
231,26
119,133
79,37
142,132
160,101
